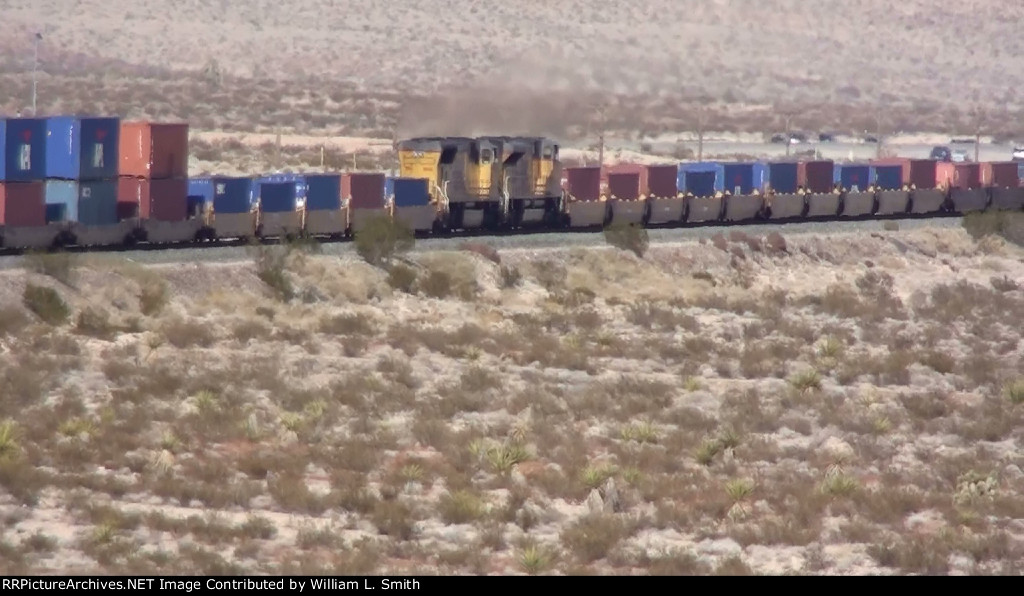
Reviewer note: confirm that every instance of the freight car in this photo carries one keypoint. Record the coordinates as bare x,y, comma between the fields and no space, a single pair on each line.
444,185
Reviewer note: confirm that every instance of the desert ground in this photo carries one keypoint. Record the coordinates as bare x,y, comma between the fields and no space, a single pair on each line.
840,404
653,67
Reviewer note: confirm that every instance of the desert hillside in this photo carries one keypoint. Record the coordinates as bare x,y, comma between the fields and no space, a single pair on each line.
771,404
750,49
913,57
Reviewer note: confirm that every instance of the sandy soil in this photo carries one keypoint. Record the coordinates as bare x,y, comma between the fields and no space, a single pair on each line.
842,405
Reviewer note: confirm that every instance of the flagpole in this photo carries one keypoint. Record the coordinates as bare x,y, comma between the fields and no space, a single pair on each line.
35,64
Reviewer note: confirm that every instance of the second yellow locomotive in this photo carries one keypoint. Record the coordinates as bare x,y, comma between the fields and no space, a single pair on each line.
487,182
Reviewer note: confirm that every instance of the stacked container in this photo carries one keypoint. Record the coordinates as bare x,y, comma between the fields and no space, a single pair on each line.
705,181
324,215
745,183
81,170
666,203
625,186
583,187
823,200
968,186
151,155
1007,193
200,196
363,192
855,182
22,171
410,199
786,179
930,180
891,179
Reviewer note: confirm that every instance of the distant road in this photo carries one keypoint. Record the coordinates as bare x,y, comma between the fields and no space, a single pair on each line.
837,151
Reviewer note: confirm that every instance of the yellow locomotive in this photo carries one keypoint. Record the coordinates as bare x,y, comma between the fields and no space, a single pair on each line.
487,182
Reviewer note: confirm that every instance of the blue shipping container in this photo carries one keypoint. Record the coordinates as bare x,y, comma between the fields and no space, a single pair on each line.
323,192
411,192
852,177
782,177
702,179
100,148
278,197
232,195
97,202
63,148
888,177
62,192
298,180
201,188
25,148
3,149
744,178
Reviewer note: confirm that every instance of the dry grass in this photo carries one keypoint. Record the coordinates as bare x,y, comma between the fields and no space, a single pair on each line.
164,65
599,415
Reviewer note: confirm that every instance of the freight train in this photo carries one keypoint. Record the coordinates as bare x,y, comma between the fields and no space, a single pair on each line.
77,181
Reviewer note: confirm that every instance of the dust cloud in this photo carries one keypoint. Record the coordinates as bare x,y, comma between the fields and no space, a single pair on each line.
529,96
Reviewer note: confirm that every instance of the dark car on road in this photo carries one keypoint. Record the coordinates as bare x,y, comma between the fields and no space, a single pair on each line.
941,154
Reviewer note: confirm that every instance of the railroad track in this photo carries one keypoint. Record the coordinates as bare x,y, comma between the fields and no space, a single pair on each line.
234,250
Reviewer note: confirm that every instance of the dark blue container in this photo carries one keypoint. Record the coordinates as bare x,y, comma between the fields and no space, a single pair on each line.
232,195
888,177
3,149
100,148
25,149
296,180
702,179
853,177
744,178
411,192
97,202
200,195
783,177
278,197
323,192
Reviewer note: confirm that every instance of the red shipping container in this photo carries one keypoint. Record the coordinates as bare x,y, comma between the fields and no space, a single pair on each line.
154,150
944,173
584,183
162,200
966,175
363,190
23,204
1004,174
892,161
801,174
819,176
639,170
625,186
662,181
926,173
